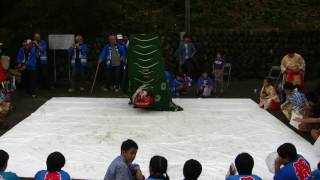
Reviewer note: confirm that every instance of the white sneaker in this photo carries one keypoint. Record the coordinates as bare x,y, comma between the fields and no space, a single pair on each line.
81,89
33,96
70,90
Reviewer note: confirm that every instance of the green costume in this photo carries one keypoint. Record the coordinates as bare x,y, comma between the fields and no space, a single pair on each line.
146,72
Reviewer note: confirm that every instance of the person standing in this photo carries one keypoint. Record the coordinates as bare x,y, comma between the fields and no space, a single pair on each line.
41,61
113,54
293,68
27,62
186,52
78,54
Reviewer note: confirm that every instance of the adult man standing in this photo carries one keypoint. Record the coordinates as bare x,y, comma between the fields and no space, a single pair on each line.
26,60
293,68
79,55
186,52
113,54
41,60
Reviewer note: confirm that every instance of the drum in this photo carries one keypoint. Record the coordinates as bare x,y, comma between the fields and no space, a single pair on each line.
15,72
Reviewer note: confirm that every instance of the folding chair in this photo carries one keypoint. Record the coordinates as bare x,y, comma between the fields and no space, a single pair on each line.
227,70
275,74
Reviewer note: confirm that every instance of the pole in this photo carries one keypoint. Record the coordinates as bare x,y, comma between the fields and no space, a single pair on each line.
95,77
187,16
55,65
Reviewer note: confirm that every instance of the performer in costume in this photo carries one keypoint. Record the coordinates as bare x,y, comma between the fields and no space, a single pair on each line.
147,86
293,68
78,54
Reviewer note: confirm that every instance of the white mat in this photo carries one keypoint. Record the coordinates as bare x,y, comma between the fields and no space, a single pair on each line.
89,132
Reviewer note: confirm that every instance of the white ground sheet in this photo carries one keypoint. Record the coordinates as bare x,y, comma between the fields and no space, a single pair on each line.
89,132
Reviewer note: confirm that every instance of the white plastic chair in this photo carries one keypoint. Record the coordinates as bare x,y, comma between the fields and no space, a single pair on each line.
275,74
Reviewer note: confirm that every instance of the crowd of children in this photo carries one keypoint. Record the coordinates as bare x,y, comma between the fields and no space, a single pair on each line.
206,85
288,165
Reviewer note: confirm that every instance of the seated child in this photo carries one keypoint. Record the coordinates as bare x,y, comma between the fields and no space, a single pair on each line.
316,173
122,167
5,91
311,118
4,157
218,72
192,169
170,80
181,84
244,165
295,167
158,168
295,100
5,106
55,163
268,95
204,85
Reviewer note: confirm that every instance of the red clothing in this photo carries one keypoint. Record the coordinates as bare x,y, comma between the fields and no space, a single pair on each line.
2,74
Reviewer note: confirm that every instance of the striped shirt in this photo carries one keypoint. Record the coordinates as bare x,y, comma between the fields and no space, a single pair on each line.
297,99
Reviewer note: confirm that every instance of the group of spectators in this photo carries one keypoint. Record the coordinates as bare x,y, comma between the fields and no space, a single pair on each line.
32,66
301,109
210,80
32,62
287,165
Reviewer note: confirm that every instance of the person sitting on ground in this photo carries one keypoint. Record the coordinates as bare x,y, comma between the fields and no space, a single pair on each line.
55,163
268,95
315,133
311,119
181,84
5,105
295,100
122,167
244,164
5,90
295,167
218,72
4,157
158,168
204,85
192,169
170,80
